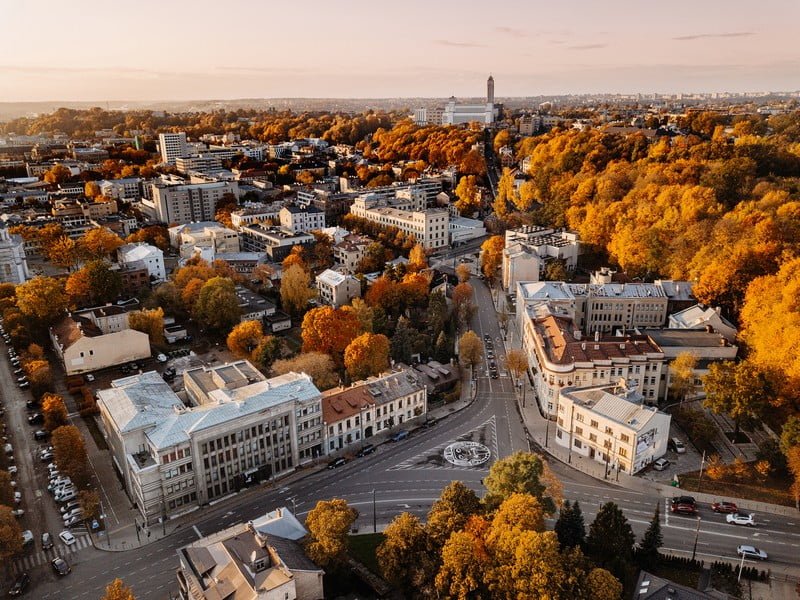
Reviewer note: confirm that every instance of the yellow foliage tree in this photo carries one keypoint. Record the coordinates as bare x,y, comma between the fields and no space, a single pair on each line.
244,338
366,355
492,255
149,321
328,526
296,289
317,365
100,242
54,411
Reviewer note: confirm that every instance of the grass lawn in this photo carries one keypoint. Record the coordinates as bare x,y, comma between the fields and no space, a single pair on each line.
771,490
363,547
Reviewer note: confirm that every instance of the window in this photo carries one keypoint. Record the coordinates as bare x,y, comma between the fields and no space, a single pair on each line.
592,437
578,431
624,438
623,452
594,423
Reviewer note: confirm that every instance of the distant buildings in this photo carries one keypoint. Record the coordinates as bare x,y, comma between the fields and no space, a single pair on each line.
13,263
337,289
172,146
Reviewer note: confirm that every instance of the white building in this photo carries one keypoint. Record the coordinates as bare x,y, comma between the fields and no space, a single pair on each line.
430,227
200,163
151,256
610,424
13,264
301,219
207,238
242,428
129,188
337,289
172,145
534,246
187,202
256,214
463,229
703,317
350,251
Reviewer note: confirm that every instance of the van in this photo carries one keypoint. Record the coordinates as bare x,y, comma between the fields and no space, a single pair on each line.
399,436
677,445
661,464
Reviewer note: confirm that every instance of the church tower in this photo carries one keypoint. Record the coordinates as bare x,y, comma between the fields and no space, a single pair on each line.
490,90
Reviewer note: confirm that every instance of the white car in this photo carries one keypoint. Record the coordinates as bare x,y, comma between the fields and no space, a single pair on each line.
17,497
18,512
27,537
162,358
751,552
12,470
67,537
741,519
76,512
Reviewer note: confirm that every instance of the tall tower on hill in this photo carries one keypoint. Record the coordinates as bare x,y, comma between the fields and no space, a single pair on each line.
490,90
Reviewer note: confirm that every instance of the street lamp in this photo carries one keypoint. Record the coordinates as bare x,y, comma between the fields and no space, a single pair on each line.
696,534
700,477
374,514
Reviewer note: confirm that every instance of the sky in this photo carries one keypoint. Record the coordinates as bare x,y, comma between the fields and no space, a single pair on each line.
92,50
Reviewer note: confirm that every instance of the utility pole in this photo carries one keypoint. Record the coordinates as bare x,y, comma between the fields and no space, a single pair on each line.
696,534
741,566
700,477
374,514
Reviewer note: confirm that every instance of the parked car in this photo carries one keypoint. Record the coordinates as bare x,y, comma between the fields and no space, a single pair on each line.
741,519
17,497
367,449
35,418
47,541
724,507
430,423
75,512
684,500
338,462
89,378
40,435
70,506
162,358
12,470
677,445
71,522
67,537
18,512
24,385
20,585
661,464
60,566
399,436
27,537
66,494
45,456
751,552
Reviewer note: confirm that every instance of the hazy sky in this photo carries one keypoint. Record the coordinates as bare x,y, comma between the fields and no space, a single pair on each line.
193,49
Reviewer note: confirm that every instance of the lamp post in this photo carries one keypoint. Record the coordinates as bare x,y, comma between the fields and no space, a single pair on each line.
374,514
741,566
696,534
702,464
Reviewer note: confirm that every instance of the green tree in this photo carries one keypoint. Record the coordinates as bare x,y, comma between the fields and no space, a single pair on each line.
217,307
401,342
790,433
556,270
404,557
570,527
267,352
328,525
438,313
610,540
451,511
740,390
443,349
651,541
682,376
521,472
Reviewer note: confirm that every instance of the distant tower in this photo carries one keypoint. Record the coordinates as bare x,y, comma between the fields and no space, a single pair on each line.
490,90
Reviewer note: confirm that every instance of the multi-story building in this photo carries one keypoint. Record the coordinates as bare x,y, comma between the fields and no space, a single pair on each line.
703,317
350,251
528,249
97,338
301,219
129,188
430,227
207,238
275,241
366,408
201,163
13,263
612,425
151,256
187,202
68,207
337,289
260,559
254,307
530,124
172,145
560,356
241,428
256,214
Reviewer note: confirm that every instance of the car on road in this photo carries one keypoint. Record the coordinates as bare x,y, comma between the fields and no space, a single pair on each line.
35,418
430,423
40,435
741,519
47,541
493,373
751,552
337,462
399,436
18,512
20,585
683,509
684,500
661,464
67,537
367,449
27,537
17,497
724,507
60,566
677,445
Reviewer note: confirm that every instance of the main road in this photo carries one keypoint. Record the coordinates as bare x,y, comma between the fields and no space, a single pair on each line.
408,476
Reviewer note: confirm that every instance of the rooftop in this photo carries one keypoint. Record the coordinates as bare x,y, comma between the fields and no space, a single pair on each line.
615,403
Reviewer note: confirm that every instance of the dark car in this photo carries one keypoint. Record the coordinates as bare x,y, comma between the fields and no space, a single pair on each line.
40,435
20,585
32,404
430,423
367,449
683,509
47,541
60,566
36,418
724,507
337,463
683,500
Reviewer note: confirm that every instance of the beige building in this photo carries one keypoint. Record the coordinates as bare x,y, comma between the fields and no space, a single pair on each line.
336,289
430,227
205,238
186,202
97,338
611,425
350,251
528,249
260,559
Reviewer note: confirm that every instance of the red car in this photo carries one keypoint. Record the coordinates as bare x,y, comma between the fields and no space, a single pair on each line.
684,509
724,507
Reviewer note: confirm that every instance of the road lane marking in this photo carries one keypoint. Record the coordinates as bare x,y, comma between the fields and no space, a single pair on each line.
197,531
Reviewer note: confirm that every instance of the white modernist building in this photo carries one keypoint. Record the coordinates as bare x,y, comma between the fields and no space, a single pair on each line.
129,188
528,250
185,203
337,289
151,256
172,145
207,238
611,424
430,227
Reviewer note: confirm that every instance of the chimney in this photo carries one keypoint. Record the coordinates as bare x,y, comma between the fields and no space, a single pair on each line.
596,336
577,335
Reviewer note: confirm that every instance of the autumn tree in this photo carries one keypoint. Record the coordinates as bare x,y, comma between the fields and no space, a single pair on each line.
244,338
157,235
570,527
57,174
149,321
469,197
328,525
417,259
651,541
100,242
470,349
90,503
95,283
521,472
91,189
463,273
54,411
117,590
610,540
737,389
6,489
64,252
506,193
296,289
492,255
366,355
517,362
329,330
318,365
267,351
603,585
10,534
296,256
364,313
42,299
70,454
217,306
464,303
405,557
451,511
464,561
473,163
40,376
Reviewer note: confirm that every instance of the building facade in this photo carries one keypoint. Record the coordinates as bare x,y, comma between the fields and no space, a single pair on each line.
178,204
336,289
143,253
171,146
301,219
430,227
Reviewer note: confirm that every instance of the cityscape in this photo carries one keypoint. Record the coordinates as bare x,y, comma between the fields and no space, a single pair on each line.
505,309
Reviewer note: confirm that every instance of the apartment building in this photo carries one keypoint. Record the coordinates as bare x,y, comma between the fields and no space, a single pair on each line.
337,289
528,249
171,146
276,242
201,163
366,408
129,188
207,238
240,428
430,227
251,215
350,251
185,203
611,425
143,253
301,219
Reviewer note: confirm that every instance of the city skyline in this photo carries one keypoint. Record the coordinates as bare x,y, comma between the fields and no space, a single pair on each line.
178,51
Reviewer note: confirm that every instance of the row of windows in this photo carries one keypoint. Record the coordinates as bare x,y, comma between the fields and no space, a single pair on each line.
180,470
187,499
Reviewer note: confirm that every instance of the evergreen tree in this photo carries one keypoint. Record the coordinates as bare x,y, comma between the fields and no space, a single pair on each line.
442,351
437,313
651,541
402,342
570,528
610,540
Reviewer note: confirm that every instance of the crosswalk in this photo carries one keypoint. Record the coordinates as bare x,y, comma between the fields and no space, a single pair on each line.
35,559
